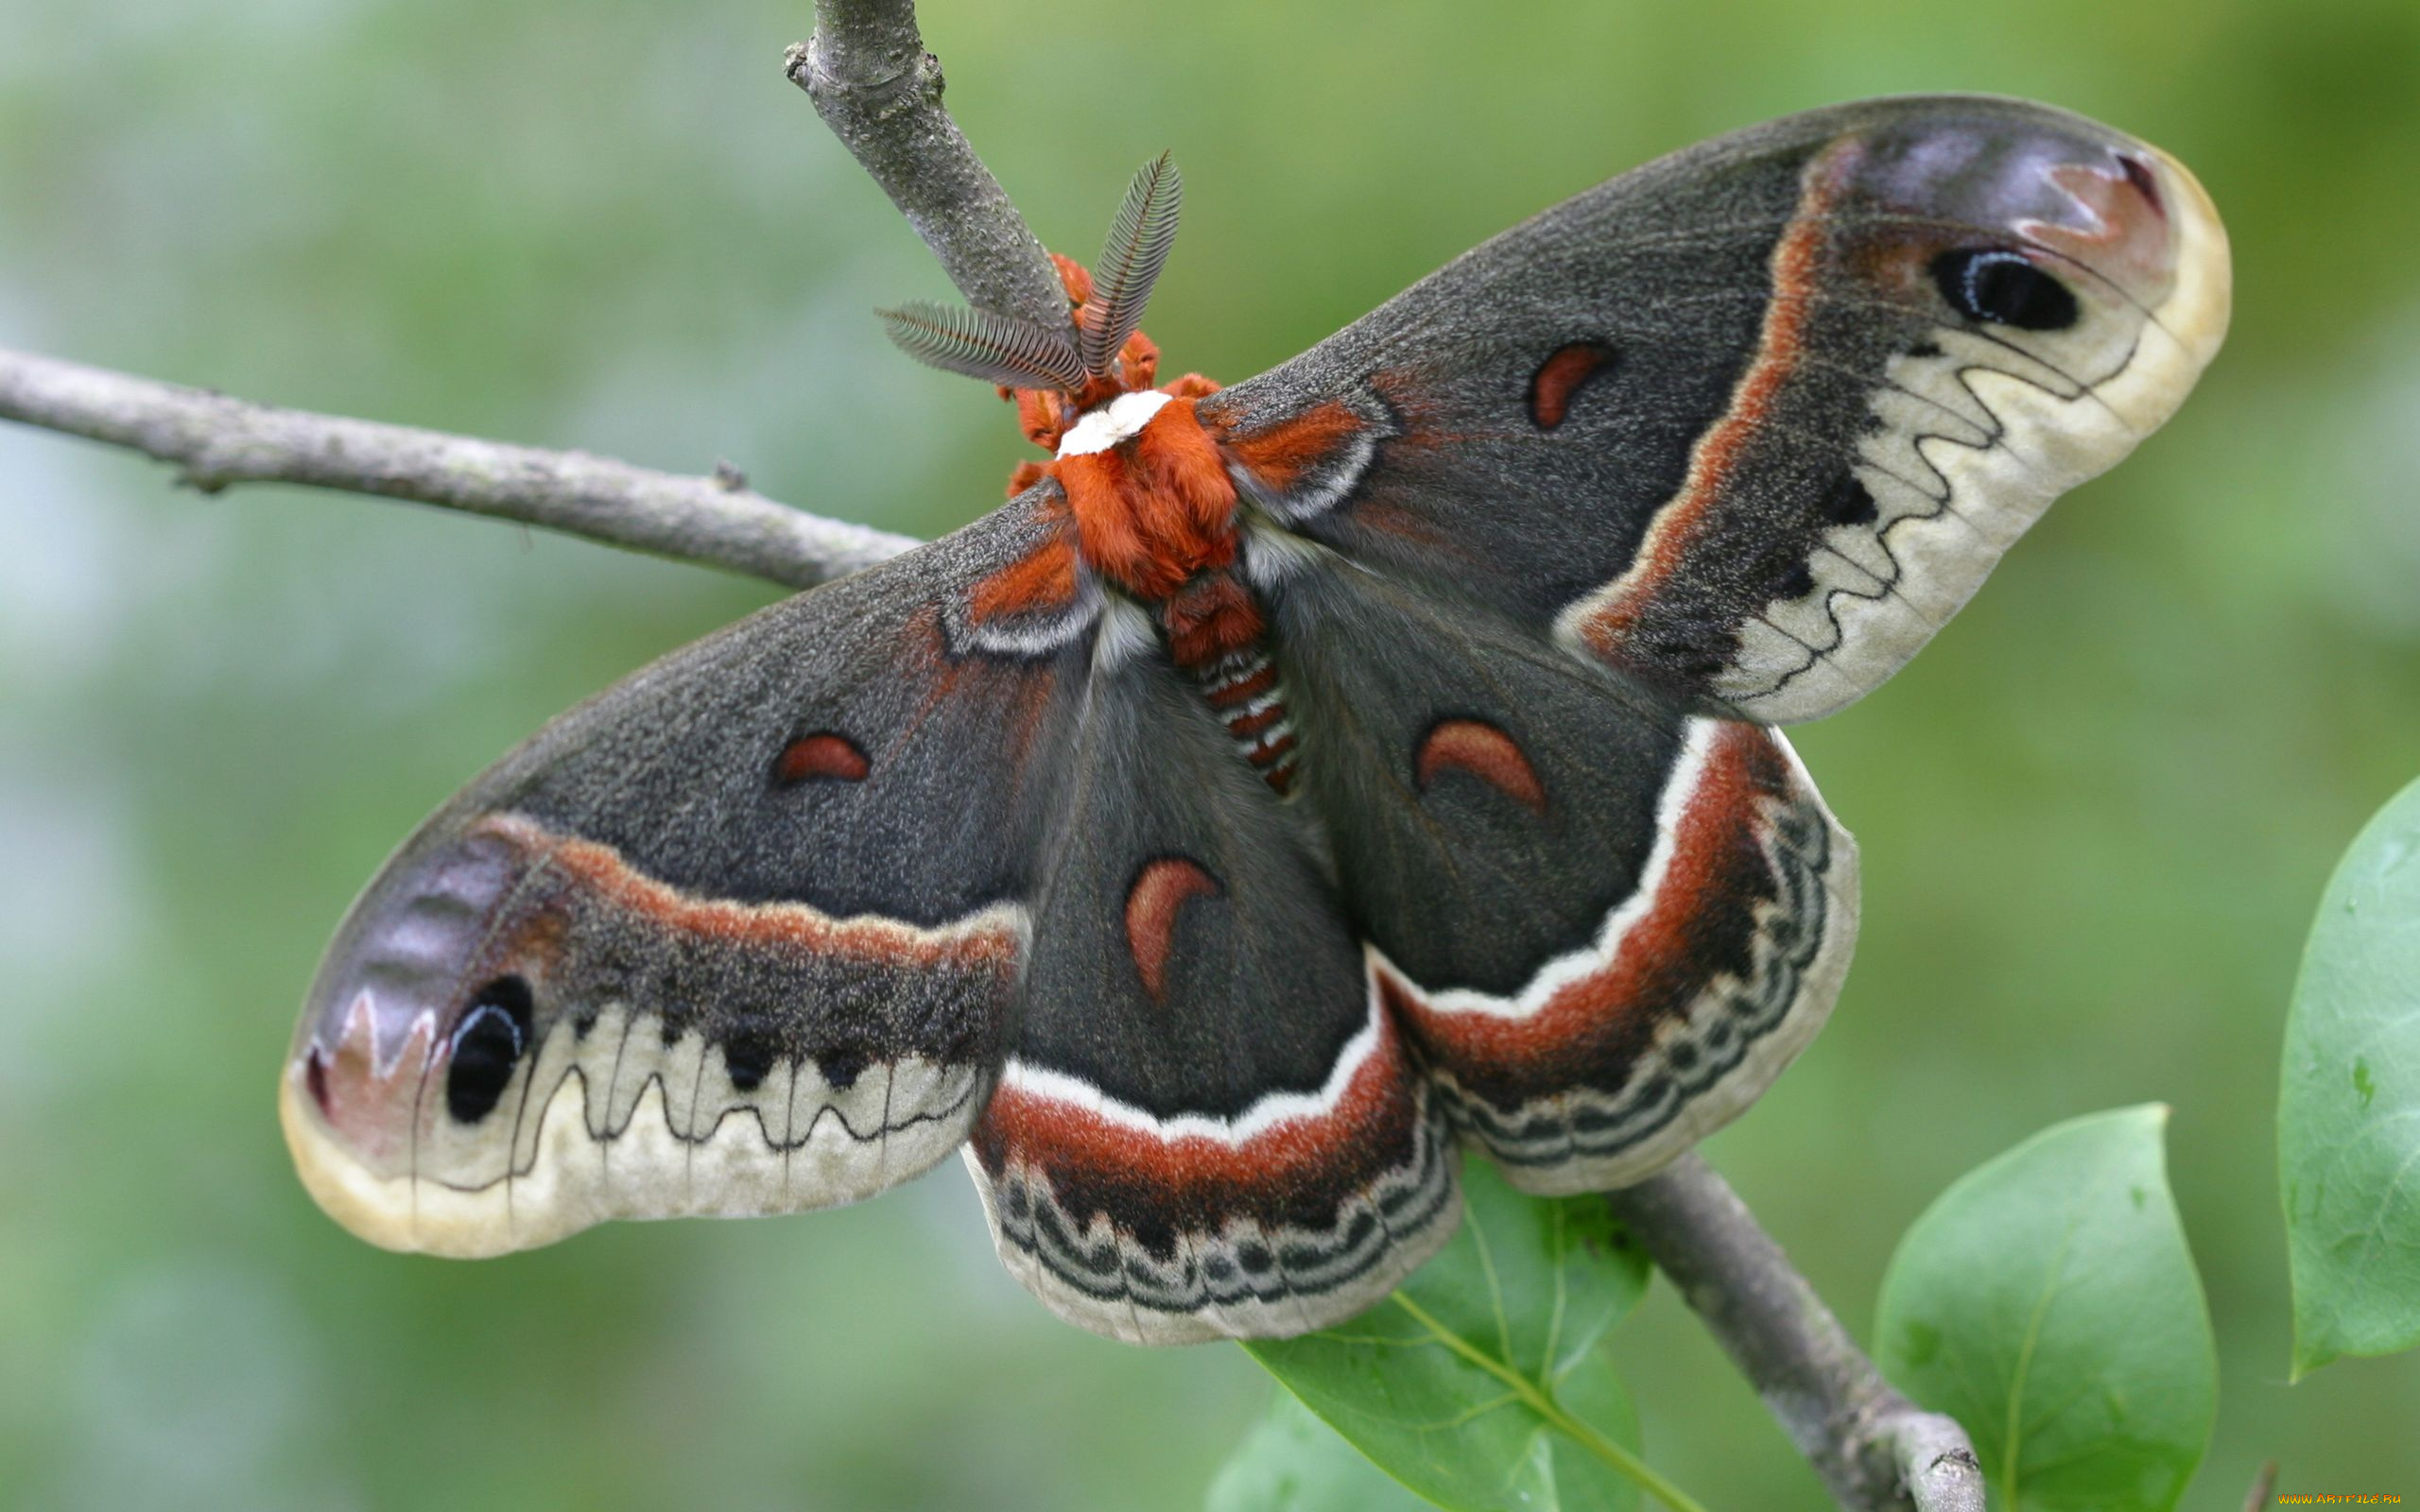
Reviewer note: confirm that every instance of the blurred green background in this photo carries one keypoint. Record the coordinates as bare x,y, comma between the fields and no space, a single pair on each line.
2095,815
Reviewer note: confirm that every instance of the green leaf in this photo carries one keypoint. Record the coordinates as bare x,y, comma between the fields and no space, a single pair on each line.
1479,1384
2348,1116
2047,1302
1292,1462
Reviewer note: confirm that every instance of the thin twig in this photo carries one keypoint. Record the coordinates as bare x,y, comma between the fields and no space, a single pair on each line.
1875,1449
2264,1487
215,441
867,71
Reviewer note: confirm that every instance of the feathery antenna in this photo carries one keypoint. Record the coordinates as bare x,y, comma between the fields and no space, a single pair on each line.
1129,262
997,349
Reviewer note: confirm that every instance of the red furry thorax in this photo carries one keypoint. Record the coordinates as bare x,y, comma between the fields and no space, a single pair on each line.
1155,512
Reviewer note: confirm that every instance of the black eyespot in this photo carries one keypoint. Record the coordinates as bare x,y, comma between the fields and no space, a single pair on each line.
1796,582
748,1059
1850,503
841,1065
488,1043
2005,289
1155,1234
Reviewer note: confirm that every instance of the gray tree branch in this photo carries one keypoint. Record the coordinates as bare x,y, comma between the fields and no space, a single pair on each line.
215,441
867,71
873,83
1875,1449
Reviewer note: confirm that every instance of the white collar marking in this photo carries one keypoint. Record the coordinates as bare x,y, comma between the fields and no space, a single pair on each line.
1103,428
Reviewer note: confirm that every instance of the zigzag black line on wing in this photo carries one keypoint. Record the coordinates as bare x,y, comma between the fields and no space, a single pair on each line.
798,1139
1945,496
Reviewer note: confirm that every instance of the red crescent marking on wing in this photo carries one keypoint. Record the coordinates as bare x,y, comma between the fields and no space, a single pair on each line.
1373,1117
1279,454
1484,751
1162,887
823,754
1796,261
1657,967
600,869
1560,376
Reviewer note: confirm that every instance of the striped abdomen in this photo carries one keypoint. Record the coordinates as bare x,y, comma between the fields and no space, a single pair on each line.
1243,690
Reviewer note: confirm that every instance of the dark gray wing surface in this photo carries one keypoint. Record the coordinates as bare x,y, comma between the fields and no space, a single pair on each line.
1752,422
744,933
1209,1125
1605,923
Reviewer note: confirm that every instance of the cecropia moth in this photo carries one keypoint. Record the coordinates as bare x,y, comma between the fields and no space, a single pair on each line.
1292,780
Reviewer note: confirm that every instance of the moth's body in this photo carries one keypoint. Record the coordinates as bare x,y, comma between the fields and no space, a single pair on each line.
1294,779
1157,518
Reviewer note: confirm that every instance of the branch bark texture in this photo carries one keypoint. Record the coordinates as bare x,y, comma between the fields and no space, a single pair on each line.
215,441
1875,1449
867,71
881,92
